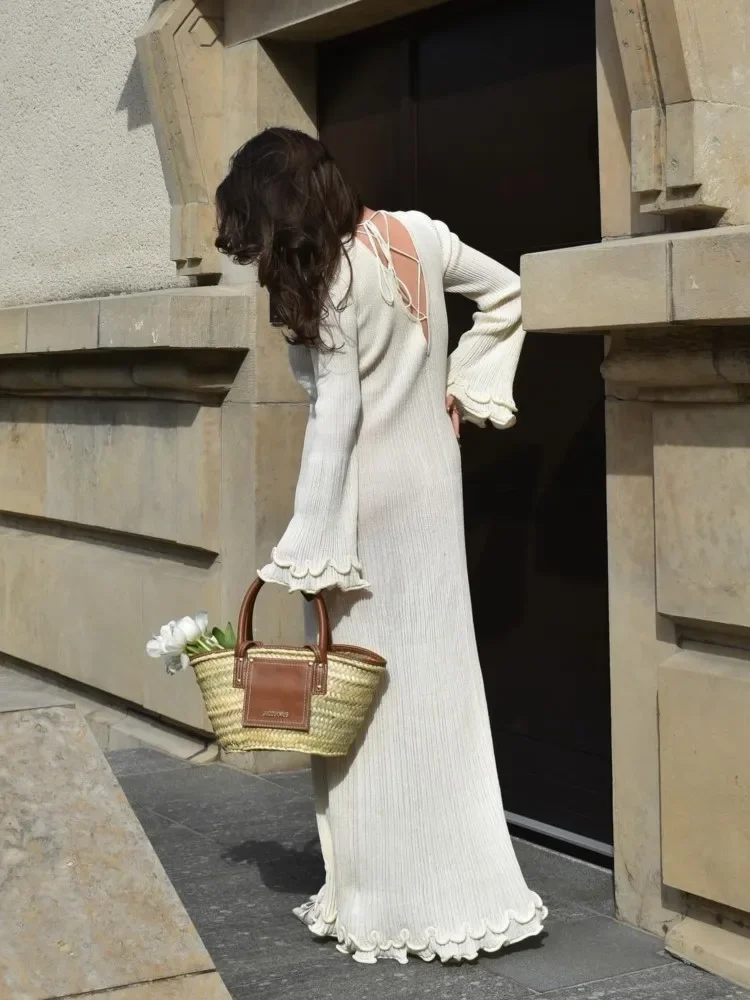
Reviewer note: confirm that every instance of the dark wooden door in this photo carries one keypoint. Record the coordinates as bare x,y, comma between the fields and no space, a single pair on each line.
484,116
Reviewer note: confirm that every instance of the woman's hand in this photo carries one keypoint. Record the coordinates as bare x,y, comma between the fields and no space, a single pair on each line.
451,406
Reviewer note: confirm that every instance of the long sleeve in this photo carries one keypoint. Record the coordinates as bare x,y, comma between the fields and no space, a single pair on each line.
319,548
482,368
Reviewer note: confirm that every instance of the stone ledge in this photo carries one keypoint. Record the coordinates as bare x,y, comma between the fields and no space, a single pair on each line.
89,906
212,316
114,724
712,948
312,20
668,279
199,986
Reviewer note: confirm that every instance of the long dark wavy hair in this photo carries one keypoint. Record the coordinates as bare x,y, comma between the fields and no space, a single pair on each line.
285,207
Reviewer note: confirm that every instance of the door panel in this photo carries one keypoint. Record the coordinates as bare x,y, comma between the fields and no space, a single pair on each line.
365,102
478,116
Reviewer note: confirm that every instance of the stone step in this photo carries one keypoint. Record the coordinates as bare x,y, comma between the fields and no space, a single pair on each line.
85,905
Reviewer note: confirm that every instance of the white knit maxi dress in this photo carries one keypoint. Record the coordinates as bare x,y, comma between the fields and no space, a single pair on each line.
417,853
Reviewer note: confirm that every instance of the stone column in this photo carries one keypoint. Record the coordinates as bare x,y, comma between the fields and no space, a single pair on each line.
669,286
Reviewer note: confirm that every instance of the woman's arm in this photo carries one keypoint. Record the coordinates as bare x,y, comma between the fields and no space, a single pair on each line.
482,368
319,548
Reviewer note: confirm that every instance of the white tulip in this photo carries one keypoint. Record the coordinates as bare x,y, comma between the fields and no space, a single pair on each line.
193,628
155,647
173,639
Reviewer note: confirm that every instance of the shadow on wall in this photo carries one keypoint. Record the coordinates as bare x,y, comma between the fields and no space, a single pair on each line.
133,96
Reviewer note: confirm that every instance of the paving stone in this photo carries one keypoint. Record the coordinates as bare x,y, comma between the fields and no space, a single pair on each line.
185,854
204,786
152,822
241,851
343,979
670,982
580,951
565,883
225,804
142,760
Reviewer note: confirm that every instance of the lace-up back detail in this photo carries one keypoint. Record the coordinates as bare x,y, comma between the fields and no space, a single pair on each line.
401,277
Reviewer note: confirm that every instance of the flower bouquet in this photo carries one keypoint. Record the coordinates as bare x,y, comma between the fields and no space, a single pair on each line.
178,642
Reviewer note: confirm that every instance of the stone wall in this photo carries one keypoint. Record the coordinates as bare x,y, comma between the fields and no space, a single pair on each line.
84,207
149,442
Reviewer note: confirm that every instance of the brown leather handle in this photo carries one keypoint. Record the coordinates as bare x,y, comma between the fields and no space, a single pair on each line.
245,622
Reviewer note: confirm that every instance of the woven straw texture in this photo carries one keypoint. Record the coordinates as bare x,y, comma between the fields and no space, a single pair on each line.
335,719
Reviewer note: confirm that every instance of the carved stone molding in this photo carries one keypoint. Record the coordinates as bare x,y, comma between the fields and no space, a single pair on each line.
705,366
196,375
181,56
684,64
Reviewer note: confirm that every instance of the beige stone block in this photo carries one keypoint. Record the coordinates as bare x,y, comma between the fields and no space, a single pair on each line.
135,321
710,272
701,481
88,906
724,951
213,316
600,287
709,51
639,642
646,126
180,56
638,63
266,761
202,986
140,731
174,592
280,431
85,610
23,449
231,319
243,388
143,467
621,215
274,382
238,504
101,722
312,20
704,705
68,326
697,176
12,331
261,450
669,48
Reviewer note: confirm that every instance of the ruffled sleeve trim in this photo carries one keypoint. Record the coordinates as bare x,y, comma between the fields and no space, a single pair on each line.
480,408
309,578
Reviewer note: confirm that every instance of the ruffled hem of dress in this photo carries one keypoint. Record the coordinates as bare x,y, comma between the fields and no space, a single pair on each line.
463,946
310,579
479,408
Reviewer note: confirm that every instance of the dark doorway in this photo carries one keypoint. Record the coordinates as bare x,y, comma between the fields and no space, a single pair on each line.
484,115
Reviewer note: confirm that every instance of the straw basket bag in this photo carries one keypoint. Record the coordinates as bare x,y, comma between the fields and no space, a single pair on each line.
313,699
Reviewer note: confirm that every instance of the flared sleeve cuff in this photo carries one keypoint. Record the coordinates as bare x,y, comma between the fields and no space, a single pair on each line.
480,406
311,578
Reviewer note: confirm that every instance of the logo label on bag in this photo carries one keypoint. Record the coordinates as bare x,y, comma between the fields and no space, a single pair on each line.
278,693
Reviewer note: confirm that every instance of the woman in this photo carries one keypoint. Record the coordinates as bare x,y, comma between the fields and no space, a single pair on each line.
417,853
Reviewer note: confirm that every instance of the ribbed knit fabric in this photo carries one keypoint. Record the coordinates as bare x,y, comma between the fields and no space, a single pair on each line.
417,852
